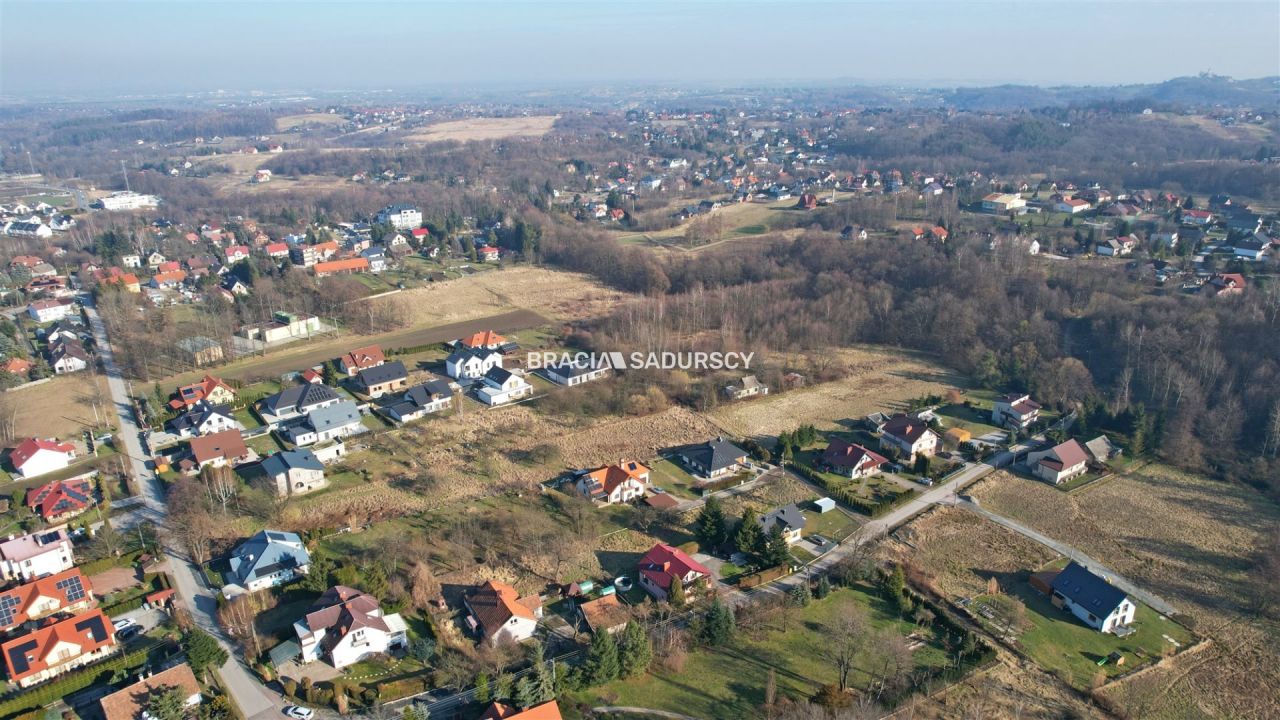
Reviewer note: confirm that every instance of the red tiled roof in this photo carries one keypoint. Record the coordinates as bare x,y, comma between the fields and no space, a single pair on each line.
227,444
495,603
546,711
846,454
60,497
131,702
365,357
610,477
334,266
29,447
663,561
62,587
483,339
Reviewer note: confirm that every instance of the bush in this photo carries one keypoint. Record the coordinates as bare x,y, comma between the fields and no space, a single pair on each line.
762,577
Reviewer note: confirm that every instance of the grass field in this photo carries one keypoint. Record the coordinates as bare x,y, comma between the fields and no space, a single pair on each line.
485,129
879,379
63,407
288,122
668,475
729,682
556,295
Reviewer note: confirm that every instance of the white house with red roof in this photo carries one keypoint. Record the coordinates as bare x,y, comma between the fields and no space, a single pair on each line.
61,499
851,460
361,359
59,648
664,563
34,457
623,482
1060,463
236,253
278,250
910,435
345,626
488,253
43,311
499,613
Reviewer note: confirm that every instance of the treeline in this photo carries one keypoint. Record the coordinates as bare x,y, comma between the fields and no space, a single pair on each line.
1206,370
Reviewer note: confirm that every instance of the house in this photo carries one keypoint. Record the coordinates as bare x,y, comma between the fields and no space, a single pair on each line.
277,250
500,615
1060,463
331,422
1101,449
16,366
27,557
748,387
200,350
67,357
789,520
1225,284
294,472
296,401
714,459
1197,217
341,267
1072,206
420,235
218,449
850,459
664,563
1001,203
1014,411
471,363
488,253
269,558
1117,247
604,614
29,229
420,400
376,257
1252,247
131,703
210,389
361,359
236,253
58,648
574,373
131,261
499,386
345,626
45,311
546,711
235,286
626,481
400,217
64,593
204,418
282,328
1099,604
488,339
910,435
34,457
382,379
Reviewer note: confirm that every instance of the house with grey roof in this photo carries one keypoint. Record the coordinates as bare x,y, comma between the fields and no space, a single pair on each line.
575,373
296,401
788,519
1099,604
713,459
419,401
330,422
294,472
269,558
471,363
382,379
203,419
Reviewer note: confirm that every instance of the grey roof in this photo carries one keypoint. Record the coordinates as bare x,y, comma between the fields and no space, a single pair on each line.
282,462
299,397
789,518
715,454
498,375
334,416
1087,590
384,373
420,396
461,354
199,414
265,553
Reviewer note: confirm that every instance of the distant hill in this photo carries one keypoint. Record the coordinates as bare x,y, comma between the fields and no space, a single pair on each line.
1197,91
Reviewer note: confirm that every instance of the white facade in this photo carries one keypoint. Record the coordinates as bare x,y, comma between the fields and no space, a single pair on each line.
511,389
129,201
45,461
27,557
49,311
400,217
471,365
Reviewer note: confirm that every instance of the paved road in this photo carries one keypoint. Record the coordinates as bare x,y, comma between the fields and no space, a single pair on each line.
253,699
1154,601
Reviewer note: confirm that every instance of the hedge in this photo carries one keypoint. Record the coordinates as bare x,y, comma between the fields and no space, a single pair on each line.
716,485
107,563
41,695
764,576
853,500
412,349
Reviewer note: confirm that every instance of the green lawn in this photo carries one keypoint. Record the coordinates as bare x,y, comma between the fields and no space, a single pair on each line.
669,476
729,682
1060,643
976,418
832,525
264,445
246,418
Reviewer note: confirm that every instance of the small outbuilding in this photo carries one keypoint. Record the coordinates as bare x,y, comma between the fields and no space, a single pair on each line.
824,504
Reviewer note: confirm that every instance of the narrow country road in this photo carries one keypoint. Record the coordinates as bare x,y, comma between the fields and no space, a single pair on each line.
1153,601
250,696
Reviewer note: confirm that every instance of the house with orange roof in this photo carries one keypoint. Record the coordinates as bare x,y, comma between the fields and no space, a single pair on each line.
499,614
35,456
61,499
132,702
626,481
546,711
359,359
488,340
168,280
341,267
211,389
278,250
59,648
67,592
16,366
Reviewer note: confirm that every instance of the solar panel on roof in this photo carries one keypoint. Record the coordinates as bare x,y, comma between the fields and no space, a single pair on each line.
18,656
72,587
7,605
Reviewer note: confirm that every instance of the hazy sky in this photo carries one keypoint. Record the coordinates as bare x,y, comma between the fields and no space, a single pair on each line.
110,47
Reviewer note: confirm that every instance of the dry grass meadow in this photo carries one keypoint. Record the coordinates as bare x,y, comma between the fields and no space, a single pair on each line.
485,129
288,122
556,295
879,379
72,398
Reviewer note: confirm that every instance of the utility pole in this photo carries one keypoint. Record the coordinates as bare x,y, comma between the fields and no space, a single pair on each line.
126,176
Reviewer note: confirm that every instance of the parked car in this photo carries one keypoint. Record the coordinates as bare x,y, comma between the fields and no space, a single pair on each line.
123,623
298,712
129,633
